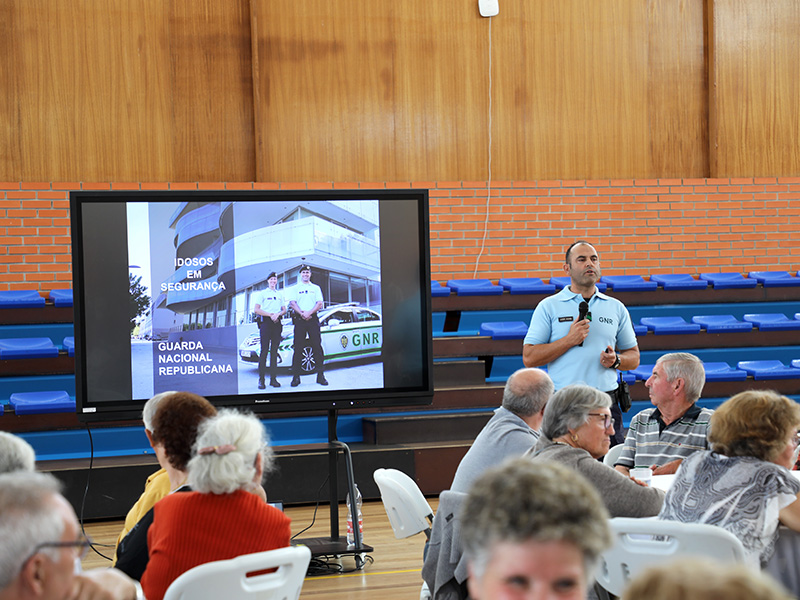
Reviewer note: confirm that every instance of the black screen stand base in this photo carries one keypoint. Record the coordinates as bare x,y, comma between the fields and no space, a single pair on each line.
335,544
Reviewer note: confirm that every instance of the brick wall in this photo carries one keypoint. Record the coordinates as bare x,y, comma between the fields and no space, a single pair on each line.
638,226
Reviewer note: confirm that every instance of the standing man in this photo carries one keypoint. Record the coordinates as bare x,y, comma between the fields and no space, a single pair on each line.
581,334
306,302
661,437
270,307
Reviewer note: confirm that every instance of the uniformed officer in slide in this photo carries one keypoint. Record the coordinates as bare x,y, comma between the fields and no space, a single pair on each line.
270,307
306,301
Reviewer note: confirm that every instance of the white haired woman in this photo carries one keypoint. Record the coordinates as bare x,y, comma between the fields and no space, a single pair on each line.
224,516
575,432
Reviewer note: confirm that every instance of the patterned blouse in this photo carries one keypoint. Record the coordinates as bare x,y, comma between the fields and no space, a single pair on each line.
742,494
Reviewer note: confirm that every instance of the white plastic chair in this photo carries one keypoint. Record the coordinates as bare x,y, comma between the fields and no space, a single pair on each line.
634,549
228,578
613,454
408,511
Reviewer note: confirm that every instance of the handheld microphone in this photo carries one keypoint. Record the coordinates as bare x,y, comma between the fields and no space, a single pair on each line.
583,312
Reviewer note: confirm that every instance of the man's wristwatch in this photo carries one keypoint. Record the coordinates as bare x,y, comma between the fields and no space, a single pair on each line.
617,360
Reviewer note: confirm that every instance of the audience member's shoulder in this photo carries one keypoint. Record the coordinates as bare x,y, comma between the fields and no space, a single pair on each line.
175,500
644,415
706,413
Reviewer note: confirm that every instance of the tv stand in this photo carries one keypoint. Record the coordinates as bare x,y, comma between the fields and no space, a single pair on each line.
336,544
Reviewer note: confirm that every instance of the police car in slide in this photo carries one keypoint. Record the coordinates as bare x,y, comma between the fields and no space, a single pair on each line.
348,332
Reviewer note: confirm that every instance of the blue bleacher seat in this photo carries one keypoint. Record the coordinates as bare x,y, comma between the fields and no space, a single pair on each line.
772,321
527,285
723,281
774,278
628,377
61,297
27,348
640,329
504,330
679,281
474,287
768,369
20,299
721,323
628,283
34,403
562,282
503,367
668,325
14,384
642,372
796,363
722,371
437,289
69,345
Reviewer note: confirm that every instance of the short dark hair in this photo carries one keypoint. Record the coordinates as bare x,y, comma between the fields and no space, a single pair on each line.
569,250
175,425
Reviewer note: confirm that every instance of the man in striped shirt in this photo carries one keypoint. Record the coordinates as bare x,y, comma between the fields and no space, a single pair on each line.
661,437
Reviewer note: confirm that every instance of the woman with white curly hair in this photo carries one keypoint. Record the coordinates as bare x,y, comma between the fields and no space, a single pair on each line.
225,515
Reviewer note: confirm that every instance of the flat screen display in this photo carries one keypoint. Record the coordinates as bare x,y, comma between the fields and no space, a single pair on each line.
274,301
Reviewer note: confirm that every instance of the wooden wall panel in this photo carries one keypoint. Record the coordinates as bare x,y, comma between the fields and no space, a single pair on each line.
212,88
571,77
369,91
126,90
677,89
599,89
755,91
89,91
328,90
579,90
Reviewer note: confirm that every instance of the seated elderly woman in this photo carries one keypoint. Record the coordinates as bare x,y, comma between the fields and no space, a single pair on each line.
575,432
172,433
532,529
698,579
743,483
224,516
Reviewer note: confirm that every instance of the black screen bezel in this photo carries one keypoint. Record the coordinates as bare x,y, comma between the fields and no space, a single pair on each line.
123,407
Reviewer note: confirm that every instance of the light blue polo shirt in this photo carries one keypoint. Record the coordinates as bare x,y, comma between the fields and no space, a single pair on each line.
611,326
270,301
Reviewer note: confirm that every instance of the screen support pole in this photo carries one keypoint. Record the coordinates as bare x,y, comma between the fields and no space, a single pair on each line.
335,447
336,544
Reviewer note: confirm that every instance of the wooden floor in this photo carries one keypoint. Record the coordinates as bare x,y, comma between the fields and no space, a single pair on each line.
394,574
